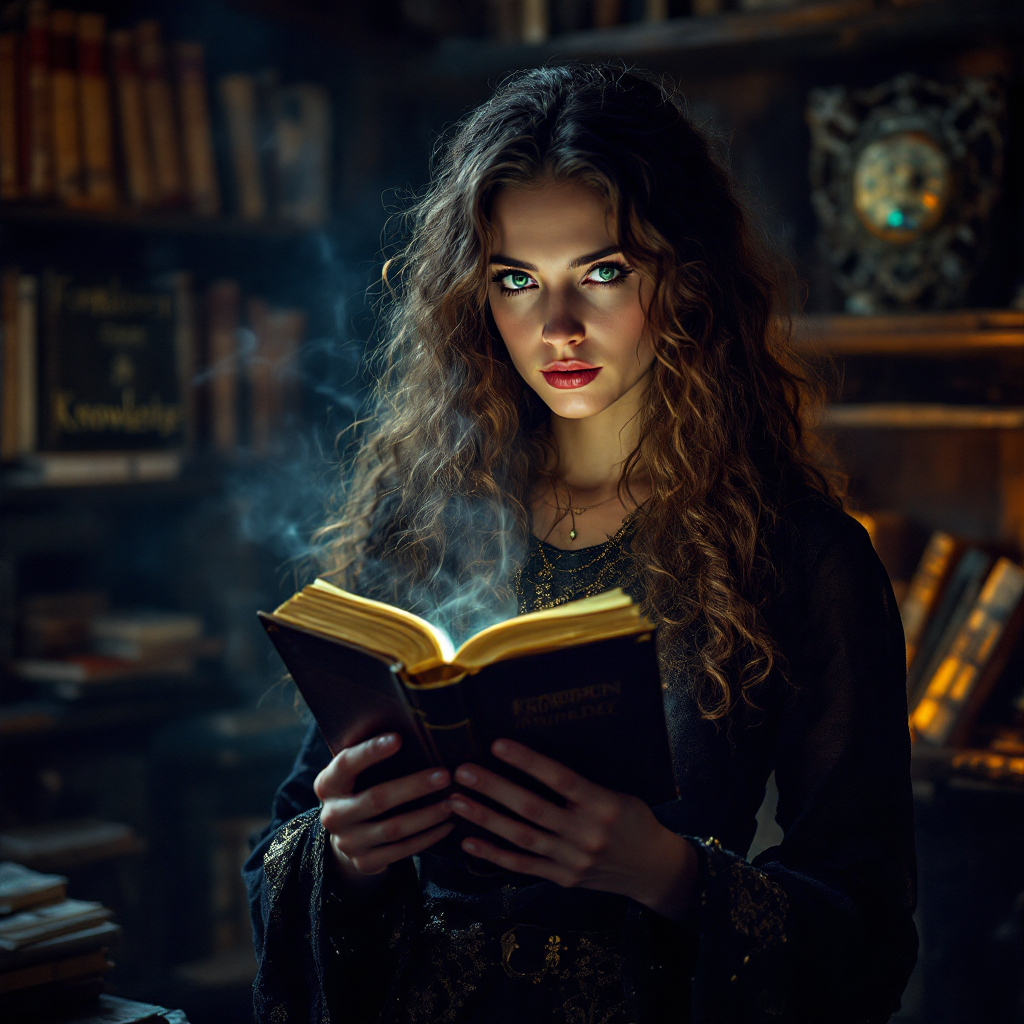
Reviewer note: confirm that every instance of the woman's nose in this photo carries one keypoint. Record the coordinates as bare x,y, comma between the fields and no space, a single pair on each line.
562,326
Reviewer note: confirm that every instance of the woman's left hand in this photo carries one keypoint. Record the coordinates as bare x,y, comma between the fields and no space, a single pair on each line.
600,840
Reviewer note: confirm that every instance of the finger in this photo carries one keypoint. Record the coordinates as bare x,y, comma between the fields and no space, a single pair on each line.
363,838
528,838
341,812
526,804
523,863
564,781
340,775
380,857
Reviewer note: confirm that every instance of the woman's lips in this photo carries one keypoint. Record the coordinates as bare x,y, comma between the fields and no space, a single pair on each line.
570,374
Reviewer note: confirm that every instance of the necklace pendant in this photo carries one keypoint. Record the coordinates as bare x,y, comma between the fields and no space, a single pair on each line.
572,535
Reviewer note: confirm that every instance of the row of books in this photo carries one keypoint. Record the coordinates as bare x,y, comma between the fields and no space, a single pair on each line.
533,21
53,950
100,120
962,616
73,646
102,365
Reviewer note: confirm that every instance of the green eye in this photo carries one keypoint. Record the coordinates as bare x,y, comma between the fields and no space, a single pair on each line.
605,274
516,281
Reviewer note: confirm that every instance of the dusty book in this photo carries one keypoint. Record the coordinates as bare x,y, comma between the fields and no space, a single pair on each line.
579,682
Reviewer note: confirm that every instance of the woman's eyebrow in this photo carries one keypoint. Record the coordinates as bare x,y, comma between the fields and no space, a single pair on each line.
507,261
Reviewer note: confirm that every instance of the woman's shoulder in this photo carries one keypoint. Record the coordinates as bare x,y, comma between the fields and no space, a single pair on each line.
815,532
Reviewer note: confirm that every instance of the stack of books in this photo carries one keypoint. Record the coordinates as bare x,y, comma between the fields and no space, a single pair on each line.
962,617
53,950
97,120
120,652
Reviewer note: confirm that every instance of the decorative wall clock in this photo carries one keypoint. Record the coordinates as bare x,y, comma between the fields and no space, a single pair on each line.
904,177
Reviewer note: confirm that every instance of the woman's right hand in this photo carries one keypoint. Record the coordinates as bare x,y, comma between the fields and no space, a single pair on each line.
363,847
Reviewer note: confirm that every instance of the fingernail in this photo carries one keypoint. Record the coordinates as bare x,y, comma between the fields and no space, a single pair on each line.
500,747
467,775
438,778
458,804
469,846
385,741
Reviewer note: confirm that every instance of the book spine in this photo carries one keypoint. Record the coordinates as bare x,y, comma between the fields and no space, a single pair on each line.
38,131
28,349
99,185
238,97
186,348
131,114
260,378
607,13
535,21
925,588
302,127
67,143
94,962
159,106
197,133
952,686
222,308
286,329
445,722
656,10
10,178
9,392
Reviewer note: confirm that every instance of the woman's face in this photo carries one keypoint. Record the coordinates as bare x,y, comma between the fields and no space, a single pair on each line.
565,300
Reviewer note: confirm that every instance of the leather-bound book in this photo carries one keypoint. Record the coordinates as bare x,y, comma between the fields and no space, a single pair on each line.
579,683
138,165
161,120
926,586
37,121
10,176
197,133
99,187
67,135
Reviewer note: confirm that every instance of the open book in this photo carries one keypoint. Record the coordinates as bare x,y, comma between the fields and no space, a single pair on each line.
579,682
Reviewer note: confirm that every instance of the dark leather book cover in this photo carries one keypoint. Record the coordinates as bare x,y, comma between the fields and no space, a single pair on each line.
595,707
110,368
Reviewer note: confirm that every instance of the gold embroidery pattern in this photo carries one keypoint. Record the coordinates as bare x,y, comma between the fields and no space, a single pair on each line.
456,966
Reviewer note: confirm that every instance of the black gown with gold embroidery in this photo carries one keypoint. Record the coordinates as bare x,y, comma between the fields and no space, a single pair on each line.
817,928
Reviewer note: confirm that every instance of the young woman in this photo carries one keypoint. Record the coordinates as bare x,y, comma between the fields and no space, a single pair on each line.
585,386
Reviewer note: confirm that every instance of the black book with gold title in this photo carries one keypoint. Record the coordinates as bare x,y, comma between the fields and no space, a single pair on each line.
579,682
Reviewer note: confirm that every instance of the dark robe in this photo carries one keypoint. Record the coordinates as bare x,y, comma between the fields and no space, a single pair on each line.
816,929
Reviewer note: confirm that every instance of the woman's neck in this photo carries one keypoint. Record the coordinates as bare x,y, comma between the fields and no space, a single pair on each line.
591,451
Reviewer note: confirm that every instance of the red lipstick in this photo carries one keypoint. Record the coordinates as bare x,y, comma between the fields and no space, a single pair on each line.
566,374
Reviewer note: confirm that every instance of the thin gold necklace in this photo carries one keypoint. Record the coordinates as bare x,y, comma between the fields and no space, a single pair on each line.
574,511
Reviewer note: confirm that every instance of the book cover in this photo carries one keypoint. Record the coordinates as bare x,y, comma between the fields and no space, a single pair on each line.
21,888
99,187
110,366
238,98
64,114
30,926
10,178
222,307
925,588
76,966
197,133
138,166
62,844
958,598
579,683
302,130
100,936
161,121
38,134
969,669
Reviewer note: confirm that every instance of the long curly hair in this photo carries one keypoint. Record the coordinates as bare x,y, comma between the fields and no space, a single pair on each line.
435,513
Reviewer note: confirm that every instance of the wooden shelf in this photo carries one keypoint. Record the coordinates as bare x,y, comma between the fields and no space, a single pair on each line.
160,223
921,416
967,332
816,27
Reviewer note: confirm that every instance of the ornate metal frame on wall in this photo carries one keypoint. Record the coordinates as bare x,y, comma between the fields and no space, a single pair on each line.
950,142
